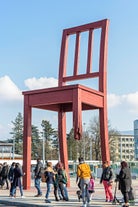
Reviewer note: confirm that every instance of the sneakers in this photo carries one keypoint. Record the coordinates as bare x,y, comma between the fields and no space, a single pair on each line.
108,200
47,201
56,199
38,195
12,197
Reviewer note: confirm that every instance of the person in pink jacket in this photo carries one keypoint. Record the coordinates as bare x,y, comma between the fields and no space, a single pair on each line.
91,186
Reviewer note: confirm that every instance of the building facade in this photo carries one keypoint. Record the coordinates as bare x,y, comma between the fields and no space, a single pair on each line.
125,148
136,138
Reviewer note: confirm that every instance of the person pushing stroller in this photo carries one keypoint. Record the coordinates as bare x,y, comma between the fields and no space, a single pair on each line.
125,182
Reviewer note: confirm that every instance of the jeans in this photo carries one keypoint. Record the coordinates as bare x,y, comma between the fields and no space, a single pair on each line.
65,191
14,190
49,187
84,189
37,185
11,188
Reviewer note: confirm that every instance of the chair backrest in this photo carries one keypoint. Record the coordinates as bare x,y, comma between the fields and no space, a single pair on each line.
89,72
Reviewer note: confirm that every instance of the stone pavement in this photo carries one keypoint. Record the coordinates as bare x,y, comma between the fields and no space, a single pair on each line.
31,201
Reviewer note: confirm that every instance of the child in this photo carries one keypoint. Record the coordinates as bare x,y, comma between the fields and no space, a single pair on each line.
91,187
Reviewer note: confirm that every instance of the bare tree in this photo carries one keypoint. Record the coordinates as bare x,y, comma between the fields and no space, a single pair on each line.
94,134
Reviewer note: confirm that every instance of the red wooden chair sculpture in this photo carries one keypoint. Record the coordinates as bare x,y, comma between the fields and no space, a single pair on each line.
72,98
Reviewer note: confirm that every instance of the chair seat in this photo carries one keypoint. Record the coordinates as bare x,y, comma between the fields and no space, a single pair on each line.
52,98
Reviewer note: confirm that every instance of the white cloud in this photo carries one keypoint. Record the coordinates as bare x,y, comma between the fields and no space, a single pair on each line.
127,100
132,101
113,100
8,90
132,98
43,82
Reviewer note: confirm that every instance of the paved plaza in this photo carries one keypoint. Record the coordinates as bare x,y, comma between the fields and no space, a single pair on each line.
31,201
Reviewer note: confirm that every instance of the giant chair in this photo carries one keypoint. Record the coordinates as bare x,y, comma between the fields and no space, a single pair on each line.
71,98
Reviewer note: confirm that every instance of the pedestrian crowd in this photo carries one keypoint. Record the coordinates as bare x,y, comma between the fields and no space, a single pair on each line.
56,179
86,183
11,176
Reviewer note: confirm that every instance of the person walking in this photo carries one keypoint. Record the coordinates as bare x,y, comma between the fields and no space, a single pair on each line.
4,175
49,175
62,181
37,177
91,187
11,177
107,180
125,182
83,176
1,166
17,182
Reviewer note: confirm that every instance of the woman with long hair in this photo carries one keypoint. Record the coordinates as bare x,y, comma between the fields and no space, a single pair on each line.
125,182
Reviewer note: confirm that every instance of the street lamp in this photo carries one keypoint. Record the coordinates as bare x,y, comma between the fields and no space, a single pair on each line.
43,147
121,148
91,147
13,149
84,138
43,138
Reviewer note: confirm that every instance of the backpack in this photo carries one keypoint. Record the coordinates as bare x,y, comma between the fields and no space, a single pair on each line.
61,176
43,177
4,172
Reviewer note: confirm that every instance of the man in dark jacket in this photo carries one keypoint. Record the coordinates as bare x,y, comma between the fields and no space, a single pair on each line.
4,175
125,182
11,176
37,176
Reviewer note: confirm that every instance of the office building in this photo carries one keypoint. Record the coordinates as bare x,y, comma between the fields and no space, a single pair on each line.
136,138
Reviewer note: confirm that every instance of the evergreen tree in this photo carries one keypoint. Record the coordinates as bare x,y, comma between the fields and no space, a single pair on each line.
71,142
17,134
37,144
55,143
48,133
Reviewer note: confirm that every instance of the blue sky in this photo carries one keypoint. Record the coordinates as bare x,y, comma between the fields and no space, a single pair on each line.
30,38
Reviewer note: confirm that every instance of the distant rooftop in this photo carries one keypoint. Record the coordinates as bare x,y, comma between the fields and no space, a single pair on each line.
129,132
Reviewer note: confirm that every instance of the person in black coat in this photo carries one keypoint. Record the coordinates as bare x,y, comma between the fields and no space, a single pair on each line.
125,182
11,176
37,177
17,182
4,175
